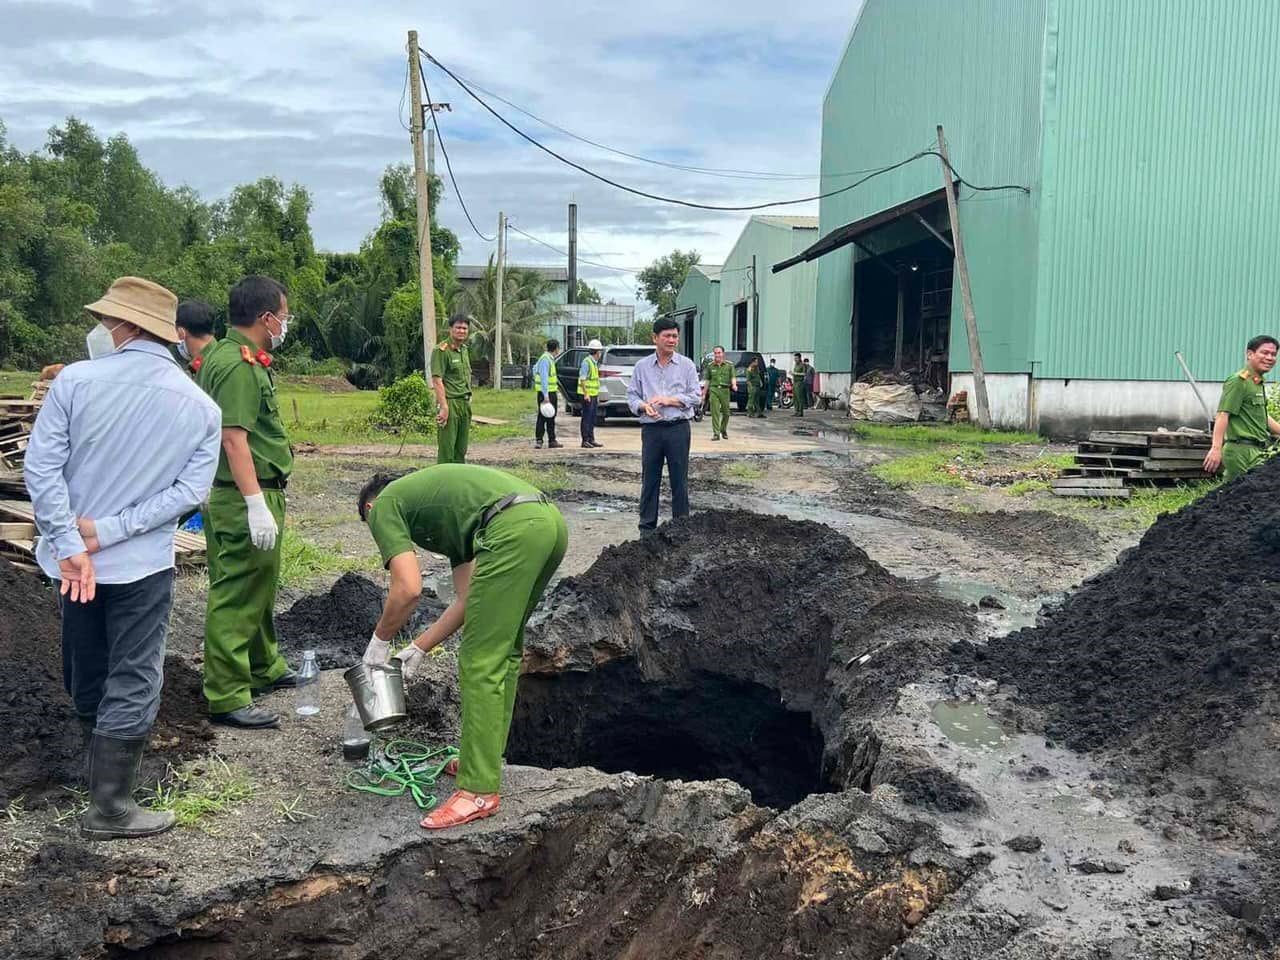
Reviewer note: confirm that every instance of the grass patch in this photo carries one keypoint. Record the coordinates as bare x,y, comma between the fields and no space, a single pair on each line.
950,433
549,478
313,415
938,468
200,790
1147,504
16,383
1022,487
301,560
743,471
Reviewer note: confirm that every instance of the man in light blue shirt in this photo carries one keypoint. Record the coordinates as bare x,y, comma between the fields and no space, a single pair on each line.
664,393
123,445
546,383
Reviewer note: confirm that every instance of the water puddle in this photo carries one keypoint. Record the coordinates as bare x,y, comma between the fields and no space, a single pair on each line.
967,723
1008,608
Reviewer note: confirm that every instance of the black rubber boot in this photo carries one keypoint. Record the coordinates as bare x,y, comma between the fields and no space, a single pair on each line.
113,773
86,741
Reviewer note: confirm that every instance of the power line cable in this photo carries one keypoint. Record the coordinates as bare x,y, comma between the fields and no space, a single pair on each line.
563,253
449,166
708,206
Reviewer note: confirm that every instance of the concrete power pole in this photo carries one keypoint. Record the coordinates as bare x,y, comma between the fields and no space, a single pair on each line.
497,302
962,269
425,280
573,270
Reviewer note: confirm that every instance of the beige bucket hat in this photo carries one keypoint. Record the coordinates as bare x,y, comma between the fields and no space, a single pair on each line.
144,304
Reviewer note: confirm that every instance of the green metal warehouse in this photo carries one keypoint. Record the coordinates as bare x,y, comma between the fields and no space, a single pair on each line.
698,308
1145,134
762,310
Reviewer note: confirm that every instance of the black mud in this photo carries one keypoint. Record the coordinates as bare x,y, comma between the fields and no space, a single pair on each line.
696,654
337,624
42,746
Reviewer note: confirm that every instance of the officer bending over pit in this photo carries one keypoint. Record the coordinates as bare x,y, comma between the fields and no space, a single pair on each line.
504,540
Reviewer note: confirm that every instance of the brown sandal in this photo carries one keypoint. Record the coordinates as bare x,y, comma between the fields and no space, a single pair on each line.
451,768
461,807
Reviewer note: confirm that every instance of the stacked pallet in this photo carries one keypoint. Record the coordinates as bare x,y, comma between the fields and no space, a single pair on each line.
16,419
1111,462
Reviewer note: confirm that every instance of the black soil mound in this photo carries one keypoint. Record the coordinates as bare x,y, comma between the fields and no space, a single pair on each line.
726,646
1175,645
42,746
338,624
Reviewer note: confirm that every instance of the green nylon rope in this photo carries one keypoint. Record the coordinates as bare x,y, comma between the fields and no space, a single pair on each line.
396,767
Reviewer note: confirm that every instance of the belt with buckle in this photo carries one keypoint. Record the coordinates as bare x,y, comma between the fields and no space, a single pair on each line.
1249,442
279,483
511,500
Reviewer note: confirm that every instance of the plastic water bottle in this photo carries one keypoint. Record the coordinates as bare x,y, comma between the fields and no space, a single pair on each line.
307,693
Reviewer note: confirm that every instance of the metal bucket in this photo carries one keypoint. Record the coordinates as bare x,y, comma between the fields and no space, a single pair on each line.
378,691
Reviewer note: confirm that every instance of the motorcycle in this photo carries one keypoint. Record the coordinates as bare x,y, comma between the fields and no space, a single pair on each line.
785,397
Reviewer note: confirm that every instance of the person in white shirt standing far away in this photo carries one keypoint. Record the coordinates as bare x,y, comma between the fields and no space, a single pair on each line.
124,445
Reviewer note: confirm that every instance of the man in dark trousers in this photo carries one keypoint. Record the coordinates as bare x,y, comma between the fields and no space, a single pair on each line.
547,386
771,384
589,388
664,393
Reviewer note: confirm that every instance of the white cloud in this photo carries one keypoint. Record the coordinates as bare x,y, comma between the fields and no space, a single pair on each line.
214,94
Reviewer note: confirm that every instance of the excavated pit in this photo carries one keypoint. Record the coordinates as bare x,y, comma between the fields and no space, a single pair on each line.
714,728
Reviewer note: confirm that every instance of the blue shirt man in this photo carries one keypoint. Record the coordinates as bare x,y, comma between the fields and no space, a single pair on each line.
664,393
546,387
123,445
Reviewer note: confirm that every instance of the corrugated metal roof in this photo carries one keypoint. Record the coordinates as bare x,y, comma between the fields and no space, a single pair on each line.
709,270
474,272
798,223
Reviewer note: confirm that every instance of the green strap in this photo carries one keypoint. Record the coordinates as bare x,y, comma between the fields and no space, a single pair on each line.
399,766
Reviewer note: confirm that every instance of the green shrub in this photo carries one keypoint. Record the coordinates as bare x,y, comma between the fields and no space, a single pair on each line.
407,406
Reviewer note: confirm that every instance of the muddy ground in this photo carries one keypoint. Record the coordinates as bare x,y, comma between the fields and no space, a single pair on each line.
877,794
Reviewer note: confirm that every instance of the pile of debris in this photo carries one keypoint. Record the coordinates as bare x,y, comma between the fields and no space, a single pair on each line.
896,396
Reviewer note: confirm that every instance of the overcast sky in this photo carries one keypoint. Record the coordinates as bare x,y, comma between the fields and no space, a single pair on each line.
219,93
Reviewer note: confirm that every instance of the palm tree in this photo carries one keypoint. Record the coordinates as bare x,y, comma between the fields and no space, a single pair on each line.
525,310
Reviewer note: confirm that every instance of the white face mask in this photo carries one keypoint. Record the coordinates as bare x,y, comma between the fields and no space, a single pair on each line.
277,339
183,352
99,342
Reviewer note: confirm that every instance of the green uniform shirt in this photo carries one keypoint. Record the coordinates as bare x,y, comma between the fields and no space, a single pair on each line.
754,379
243,387
1244,400
454,368
439,509
717,375
797,374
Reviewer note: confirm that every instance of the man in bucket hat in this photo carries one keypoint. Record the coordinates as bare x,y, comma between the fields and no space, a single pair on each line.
124,445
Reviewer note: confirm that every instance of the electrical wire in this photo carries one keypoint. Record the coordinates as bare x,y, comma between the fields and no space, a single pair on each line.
449,166
563,253
708,206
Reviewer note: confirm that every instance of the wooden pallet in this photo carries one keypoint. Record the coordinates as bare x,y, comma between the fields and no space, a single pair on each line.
189,549
1111,462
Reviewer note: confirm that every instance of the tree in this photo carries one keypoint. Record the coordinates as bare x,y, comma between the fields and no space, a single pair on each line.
661,281
586,293
526,310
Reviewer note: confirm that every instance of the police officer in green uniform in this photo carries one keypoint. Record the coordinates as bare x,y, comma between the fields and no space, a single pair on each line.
798,392
245,513
195,333
719,376
504,540
451,380
1242,427
755,390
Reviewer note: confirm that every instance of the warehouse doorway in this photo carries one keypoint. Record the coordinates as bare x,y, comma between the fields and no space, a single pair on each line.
740,326
902,285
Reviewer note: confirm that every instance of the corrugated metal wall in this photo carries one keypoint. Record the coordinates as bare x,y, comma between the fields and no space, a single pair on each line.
1159,220
975,67
786,299
704,296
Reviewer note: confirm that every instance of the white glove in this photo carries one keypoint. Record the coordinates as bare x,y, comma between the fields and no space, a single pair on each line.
377,651
262,525
410,661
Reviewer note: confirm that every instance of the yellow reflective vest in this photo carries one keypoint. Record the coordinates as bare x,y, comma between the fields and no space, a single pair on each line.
589,386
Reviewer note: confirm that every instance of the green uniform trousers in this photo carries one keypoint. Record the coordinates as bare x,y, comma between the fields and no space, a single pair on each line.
516,554
240,651
798,393
719,397
452,439
1238,459
755,401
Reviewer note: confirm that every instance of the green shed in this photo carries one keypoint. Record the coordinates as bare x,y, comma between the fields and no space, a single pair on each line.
761,310
1144,136
698,308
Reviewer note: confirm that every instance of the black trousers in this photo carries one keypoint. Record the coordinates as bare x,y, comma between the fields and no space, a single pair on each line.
113,653
665,441
547,424
589,405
